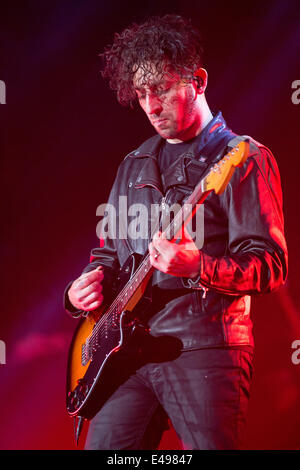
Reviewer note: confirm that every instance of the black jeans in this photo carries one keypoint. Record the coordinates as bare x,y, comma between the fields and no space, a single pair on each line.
205,394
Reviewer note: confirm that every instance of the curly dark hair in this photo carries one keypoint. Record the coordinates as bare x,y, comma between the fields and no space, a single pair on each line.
170,39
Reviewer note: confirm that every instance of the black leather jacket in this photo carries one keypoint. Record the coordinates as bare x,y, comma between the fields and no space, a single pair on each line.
244,251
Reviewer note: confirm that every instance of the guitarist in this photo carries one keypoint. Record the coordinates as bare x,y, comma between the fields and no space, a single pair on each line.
200,292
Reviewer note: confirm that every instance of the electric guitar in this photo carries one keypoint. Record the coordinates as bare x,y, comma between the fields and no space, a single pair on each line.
108,340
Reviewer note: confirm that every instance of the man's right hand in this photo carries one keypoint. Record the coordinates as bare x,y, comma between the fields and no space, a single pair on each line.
86,292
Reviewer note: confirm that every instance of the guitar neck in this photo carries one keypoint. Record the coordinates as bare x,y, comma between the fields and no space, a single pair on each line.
143,272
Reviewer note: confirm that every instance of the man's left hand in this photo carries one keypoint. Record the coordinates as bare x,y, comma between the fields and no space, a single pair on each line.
178,259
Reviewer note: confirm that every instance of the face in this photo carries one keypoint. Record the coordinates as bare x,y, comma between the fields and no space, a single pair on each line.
169,103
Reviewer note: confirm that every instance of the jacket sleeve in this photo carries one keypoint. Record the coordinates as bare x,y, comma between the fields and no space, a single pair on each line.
256,259
105,254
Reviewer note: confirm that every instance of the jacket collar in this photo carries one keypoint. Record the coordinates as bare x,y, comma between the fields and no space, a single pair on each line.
151,147
150,174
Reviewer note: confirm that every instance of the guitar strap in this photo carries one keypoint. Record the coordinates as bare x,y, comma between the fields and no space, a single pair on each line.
211,153
215,149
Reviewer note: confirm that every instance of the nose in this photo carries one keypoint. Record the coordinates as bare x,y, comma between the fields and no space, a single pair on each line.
152,105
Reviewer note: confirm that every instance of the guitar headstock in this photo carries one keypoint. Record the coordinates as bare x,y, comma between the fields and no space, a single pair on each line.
220,174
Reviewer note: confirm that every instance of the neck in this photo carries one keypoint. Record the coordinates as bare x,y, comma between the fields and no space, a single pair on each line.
204,116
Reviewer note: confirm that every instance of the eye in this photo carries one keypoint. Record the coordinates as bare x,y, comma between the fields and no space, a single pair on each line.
162,90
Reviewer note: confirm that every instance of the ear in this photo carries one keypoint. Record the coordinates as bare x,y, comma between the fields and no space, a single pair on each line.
200,76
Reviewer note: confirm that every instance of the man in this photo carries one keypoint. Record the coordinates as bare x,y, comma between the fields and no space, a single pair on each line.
200,294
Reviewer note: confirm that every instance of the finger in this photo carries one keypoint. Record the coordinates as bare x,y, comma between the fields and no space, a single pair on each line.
94,287
156,235
98,269
157,260
154,260
156,238
91,299
154,255
152,250
162,245
88,278
153,245
95,305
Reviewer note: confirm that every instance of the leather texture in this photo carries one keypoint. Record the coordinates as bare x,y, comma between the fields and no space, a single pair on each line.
244,251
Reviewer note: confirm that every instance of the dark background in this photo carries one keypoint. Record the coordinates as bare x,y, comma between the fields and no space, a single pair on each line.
63,135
